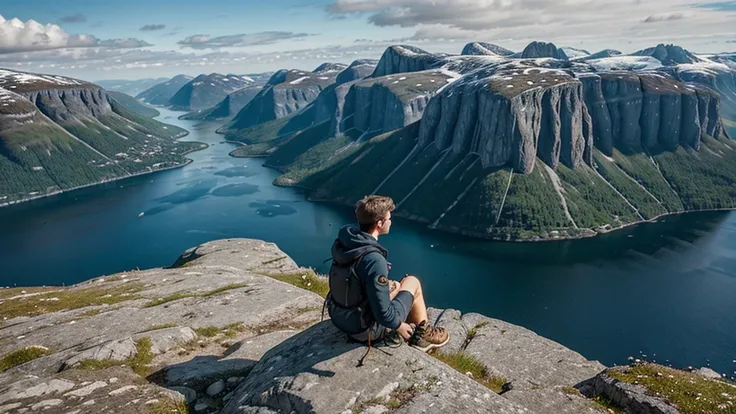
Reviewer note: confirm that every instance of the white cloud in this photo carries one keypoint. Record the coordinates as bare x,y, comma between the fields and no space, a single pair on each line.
596,23
203,41
16,36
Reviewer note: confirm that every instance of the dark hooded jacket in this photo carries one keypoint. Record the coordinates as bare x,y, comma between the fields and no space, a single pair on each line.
351,244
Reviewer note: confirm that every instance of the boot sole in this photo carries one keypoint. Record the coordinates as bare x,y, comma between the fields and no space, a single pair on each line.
431,346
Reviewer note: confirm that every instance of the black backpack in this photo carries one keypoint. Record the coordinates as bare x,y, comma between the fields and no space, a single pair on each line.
346,301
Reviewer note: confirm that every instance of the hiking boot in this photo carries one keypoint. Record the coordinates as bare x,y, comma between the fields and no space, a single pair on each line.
426,337
392,339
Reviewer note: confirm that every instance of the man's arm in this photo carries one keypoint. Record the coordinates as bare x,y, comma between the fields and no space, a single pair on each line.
374,269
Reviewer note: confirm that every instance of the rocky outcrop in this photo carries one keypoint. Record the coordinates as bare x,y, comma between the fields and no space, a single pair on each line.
543,50
668,54
67,105
195,339
516,117
359,69
228,107
633,112
402,59
482,48
390,102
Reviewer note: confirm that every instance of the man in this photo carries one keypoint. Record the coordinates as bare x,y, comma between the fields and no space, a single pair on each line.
362,301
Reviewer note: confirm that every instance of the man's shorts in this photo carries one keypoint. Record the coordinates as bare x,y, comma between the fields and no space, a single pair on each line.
403,302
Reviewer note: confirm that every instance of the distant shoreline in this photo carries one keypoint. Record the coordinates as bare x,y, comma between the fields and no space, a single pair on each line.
186,162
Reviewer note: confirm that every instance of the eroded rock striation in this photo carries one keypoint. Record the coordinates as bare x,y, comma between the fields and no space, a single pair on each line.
511,116
401,59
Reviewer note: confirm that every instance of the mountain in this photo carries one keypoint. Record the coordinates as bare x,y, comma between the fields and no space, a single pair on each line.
133,104
286,92
205,91
669,54
605,53
359,69
482,48
58,133
233,102
574,53
161,94
543,50
130,87
516,149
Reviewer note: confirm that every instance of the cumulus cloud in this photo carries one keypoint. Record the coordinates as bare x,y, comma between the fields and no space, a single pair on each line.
74,18
569,21
152,27
16,36
203,41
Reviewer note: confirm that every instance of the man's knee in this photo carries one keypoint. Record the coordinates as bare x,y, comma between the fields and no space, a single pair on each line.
412,284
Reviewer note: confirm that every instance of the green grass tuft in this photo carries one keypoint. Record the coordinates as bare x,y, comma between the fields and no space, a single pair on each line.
468,364
139,363
169,406
304,279
68,299
689,392
22,356
207,331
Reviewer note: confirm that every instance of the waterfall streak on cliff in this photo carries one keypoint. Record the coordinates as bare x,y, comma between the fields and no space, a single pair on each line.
81,142
619,194
431,170
639,184
500,209
396,169
558,187
454,203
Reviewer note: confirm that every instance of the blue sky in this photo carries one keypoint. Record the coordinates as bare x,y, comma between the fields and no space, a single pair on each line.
103,39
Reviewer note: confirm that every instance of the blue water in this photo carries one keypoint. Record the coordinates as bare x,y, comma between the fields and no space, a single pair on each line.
667,289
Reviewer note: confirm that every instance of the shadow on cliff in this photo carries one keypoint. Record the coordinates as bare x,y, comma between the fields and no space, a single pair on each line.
308,352
313,355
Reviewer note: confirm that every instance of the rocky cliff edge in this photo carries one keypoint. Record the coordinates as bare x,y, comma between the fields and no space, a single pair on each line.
233,327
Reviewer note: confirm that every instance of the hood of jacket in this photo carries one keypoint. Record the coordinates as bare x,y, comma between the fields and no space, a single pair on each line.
351,243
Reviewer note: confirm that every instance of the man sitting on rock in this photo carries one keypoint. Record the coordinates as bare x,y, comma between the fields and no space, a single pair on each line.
363,302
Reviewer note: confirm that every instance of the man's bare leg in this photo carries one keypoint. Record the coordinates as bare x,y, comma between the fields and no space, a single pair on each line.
418,312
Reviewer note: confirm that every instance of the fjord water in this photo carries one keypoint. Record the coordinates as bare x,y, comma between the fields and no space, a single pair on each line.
666,290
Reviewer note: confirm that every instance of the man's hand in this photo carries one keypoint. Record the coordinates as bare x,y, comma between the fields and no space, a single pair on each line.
405,330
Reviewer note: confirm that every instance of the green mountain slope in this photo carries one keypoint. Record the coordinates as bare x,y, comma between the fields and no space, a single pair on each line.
49,144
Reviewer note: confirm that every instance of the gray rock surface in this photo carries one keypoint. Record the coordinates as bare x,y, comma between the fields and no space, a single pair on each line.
315,371
669,54
402,59
538,372
536,50
357,70
522,113
386,103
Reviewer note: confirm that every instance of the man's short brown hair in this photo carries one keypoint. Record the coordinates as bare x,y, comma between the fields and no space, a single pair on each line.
371,209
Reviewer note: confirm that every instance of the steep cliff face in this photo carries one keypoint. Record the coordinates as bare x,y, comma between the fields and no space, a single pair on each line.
509,117
359,69
482,48
401,59
633,112
285,92
543,50
378,105
66,105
